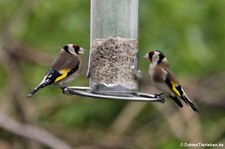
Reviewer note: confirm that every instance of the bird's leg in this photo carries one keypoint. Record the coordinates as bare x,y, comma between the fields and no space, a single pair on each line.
65,89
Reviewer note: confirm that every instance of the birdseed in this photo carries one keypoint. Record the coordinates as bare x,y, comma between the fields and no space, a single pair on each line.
113,61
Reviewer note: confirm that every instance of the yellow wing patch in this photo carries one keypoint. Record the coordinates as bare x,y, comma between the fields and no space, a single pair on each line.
175,89
64,73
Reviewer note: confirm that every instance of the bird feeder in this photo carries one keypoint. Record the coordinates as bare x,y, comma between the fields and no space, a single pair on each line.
113,60
114,46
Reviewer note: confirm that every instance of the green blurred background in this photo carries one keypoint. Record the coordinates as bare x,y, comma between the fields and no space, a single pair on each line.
191,34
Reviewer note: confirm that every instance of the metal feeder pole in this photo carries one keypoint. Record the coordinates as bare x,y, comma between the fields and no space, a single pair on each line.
113,60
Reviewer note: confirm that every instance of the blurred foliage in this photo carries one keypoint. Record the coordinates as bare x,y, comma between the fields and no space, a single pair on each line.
191,33
190,30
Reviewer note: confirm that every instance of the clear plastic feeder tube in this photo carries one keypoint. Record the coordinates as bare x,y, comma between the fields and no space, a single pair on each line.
114,47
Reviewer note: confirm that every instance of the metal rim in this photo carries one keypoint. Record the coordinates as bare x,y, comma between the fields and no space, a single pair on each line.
85,91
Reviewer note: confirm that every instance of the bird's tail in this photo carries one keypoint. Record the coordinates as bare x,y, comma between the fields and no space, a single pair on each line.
189,102
177,101
35,90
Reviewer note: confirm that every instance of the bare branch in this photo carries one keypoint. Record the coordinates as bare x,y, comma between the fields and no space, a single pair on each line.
123,122
193,125
22,52
32,55
32,132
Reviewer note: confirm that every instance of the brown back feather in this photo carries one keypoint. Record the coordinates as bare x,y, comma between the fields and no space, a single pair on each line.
65,60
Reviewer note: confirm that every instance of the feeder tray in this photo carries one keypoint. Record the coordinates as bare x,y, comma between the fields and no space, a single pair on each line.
86,91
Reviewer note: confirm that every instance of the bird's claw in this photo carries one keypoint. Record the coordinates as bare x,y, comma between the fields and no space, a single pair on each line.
66,90
160,96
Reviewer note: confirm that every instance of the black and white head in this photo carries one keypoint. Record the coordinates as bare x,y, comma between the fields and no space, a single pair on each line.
73,49
155,56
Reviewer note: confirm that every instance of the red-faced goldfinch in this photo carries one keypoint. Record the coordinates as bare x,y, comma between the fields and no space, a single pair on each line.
64,68
163,78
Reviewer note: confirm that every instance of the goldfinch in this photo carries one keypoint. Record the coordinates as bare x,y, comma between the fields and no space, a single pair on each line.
64,68
163,78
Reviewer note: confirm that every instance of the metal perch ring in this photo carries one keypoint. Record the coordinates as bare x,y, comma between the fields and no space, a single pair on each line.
85,91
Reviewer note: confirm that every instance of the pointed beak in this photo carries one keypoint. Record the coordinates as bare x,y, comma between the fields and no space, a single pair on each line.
146,56
81,51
